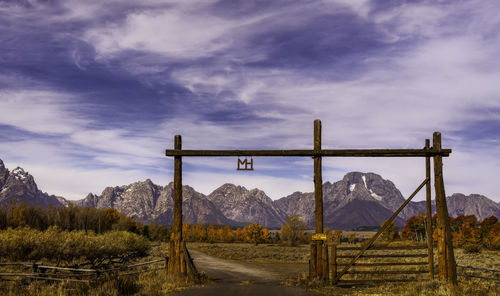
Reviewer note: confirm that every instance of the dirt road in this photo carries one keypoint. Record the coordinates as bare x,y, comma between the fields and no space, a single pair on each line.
240,279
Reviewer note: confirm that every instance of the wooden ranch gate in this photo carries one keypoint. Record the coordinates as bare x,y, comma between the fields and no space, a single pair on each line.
180,262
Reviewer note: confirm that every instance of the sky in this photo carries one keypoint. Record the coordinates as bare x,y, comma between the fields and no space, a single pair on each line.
93,92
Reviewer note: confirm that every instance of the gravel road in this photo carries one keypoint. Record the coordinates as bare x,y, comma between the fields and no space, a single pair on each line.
238,278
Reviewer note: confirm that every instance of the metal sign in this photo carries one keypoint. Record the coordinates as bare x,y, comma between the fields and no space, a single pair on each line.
319,236
245,165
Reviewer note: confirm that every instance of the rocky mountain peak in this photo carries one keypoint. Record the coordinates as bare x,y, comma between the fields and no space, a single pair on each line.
20,185
473,204
239,204
4,173
20,178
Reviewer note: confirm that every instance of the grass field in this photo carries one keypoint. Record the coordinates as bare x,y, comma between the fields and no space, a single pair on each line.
146,283
268,253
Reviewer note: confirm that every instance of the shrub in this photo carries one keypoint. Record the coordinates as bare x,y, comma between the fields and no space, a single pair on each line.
293,230
54,244
472,247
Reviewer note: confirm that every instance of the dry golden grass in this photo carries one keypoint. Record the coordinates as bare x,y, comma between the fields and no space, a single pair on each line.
300,255
252,253
147,283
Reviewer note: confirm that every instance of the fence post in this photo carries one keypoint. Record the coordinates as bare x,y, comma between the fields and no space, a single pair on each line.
430,243
319,259
313,273
334,263
175,266
446,258
318,196
326,273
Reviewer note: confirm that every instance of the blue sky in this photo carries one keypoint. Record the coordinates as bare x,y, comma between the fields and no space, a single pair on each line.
92,92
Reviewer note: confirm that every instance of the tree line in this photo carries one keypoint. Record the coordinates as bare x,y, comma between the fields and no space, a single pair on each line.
467,231
76,218
252,233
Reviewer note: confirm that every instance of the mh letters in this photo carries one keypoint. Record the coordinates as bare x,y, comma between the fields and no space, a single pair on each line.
245,165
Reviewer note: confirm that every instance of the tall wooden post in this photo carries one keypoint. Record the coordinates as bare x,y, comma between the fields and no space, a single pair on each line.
176,263
430,243
318,179
319,259
313,262
318,195
326,269
446,258
333,263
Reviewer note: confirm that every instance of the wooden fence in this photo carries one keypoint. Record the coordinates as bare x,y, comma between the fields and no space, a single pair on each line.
379,263
38,271
477,272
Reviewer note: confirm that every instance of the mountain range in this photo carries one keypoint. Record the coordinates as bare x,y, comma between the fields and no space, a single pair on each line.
359,199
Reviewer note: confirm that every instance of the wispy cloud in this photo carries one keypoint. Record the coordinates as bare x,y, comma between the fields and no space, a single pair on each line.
108,84
45,112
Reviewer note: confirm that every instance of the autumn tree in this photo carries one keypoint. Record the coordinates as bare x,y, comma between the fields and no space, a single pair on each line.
293,230
493,239
487,225
415,228
3,217
337,237
254,233
388,233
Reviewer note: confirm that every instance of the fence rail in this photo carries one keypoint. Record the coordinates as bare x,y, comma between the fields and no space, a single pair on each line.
368,271
495,272
83,275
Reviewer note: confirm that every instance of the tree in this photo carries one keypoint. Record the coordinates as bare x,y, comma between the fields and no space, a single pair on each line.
293,230
337,237
254,233
493,240
352,238
415,228
486,225
388,233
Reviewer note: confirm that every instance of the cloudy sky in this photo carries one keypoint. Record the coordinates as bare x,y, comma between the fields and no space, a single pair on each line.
93,92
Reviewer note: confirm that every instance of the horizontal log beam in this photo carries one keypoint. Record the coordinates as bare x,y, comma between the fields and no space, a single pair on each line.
369,281
386,271
415,247
313,153
356,264
386,256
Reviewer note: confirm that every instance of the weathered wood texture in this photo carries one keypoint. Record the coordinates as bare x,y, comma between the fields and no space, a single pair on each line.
312,153
179,263
333,262
313,262
178,191
373,247
376,274
319,260
384,264
384,256
192,271
382,229
430,243
446,259
318,179
325,265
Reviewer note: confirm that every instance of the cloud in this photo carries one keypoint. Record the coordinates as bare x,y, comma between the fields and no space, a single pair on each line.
39,111
109,84
181,31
